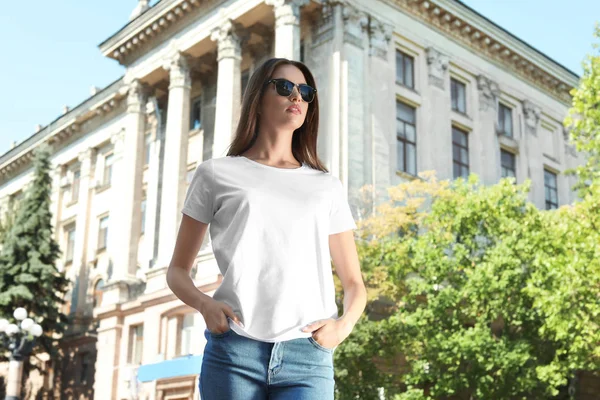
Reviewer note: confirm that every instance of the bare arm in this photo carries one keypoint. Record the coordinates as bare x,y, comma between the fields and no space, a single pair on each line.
189,239
345,258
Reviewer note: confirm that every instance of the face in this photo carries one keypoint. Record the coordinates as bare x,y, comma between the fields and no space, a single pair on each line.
275,109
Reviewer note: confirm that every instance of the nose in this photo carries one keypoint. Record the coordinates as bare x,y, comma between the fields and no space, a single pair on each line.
295,95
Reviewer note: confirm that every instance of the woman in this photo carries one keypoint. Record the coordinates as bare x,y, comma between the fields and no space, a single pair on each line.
277,218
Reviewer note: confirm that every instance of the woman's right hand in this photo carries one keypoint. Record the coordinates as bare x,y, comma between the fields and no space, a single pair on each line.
215,315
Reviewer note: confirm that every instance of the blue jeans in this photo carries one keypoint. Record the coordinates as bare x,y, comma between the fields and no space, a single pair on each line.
235,367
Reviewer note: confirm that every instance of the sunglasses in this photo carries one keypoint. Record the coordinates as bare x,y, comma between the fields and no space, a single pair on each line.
285,88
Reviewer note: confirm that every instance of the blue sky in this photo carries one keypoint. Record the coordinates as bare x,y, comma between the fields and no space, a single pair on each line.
51,56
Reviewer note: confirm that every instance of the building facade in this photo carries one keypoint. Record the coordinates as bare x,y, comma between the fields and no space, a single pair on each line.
405,86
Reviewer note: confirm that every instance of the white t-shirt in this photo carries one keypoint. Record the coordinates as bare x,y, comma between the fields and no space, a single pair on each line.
270,230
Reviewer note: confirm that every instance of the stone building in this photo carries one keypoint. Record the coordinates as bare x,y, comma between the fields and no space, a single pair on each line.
404,85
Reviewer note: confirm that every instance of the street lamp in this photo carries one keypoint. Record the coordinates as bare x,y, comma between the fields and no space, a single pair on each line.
20,343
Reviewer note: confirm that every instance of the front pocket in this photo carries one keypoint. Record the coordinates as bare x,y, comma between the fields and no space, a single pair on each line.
318,346
220,335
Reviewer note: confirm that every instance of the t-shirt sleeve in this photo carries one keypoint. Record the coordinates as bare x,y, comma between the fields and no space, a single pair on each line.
340,216
198,202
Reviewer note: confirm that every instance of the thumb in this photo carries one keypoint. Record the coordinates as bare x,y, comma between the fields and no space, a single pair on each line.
313,327
229,312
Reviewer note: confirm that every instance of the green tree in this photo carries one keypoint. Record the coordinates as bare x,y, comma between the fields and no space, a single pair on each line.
28,274
494,299
583,120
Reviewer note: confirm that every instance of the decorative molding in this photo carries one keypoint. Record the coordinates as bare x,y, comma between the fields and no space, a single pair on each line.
438,66
287,12
137,96
487,40
356,22
488,93
531,112
380,34
230,37
323,24
117,139
178,65
158,19
86,154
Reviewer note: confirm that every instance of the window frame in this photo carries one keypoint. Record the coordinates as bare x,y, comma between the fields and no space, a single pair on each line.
100,233
460,146
68,229
548,202
502,108
75,185
404,57
107,171
136,344
453,91
406,142
196,105
514,164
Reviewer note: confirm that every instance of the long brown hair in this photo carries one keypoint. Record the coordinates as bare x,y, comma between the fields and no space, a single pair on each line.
304,140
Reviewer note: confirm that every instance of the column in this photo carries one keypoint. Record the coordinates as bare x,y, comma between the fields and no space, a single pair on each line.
56,201
486,147
229,37
535,158
174,166
78,303
434,136
107,359
323,45
334,105
125,213
383,107
151,233
287,27
353,165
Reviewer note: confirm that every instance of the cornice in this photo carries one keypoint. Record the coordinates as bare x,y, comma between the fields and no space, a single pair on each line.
62,128
158,20
469,28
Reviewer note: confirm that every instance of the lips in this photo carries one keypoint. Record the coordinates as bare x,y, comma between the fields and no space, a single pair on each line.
294,109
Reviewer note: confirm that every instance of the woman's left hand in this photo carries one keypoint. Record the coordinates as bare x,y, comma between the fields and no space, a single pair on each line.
328,332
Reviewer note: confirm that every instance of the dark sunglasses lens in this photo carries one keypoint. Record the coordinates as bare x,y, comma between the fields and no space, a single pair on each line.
307,93
284,88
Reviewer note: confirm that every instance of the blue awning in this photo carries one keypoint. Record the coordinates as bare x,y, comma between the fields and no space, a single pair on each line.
187,365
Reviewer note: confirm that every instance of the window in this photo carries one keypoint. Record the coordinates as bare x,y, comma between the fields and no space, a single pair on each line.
458,93
103,233
84,363
70,243
551,190
302,50
136,339
143,216
505,120
507,161
405,65
406,138
196,117
75,186
98,293
147,143
108,161
187,334
245,78
460,153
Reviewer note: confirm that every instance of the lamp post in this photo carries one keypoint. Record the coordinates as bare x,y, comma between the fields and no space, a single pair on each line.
20,343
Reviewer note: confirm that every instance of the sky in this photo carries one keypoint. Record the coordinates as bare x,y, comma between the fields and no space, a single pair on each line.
51,56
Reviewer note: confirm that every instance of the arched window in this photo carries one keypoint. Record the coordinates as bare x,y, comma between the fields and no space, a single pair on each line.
98,293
